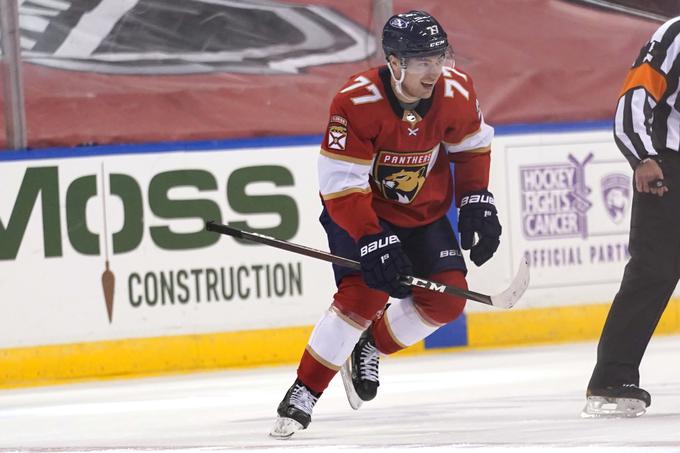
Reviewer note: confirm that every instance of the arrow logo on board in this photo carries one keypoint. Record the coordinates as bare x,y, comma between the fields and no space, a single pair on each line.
108,278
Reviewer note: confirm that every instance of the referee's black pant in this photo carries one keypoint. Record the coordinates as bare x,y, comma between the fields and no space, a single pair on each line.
648,281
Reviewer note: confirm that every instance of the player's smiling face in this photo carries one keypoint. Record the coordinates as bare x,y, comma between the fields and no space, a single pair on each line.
421,74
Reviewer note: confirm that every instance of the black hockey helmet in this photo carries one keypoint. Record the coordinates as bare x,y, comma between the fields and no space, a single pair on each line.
413,34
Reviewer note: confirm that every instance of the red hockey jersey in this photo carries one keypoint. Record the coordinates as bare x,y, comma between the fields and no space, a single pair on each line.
381,161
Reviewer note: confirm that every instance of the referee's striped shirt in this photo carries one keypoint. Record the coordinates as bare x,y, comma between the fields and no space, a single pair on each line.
648,112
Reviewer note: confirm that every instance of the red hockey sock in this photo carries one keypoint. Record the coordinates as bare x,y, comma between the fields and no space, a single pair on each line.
315,374
384,340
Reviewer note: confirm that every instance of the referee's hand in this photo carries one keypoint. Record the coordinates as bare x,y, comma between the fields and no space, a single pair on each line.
649,178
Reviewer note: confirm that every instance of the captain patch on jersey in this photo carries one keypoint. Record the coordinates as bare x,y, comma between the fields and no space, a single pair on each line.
400,176
337,133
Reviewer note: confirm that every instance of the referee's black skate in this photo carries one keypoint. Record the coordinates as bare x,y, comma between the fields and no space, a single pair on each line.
294,411
360,371
627,400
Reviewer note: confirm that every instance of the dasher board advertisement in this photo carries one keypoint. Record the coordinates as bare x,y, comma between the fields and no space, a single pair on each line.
114,246
566,201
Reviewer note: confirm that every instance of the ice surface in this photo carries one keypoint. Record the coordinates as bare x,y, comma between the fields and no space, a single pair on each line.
508,400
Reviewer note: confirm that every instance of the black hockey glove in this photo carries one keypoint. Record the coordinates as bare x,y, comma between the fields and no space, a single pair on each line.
382,262
478,215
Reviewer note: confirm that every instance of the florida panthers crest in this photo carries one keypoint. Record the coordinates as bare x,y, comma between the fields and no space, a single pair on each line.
400,176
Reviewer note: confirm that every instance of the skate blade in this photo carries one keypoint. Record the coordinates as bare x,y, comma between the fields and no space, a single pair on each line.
352,397
602,407
284,428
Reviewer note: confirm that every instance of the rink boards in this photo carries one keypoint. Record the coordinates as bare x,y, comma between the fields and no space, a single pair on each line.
106,269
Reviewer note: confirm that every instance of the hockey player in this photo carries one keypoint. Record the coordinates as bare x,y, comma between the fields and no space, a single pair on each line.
386,186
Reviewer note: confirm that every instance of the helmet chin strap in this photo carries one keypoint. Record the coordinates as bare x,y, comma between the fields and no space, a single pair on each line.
398,81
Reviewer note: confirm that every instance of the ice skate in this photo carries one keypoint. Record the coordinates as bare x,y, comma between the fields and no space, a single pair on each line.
627,401
294,411
360,372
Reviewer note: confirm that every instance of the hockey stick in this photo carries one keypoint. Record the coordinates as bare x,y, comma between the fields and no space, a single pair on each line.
506,299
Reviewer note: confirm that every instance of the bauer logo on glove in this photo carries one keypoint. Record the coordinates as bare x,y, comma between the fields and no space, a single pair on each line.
378,244
478,198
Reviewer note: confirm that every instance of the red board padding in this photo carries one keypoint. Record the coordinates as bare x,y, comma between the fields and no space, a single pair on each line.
532,61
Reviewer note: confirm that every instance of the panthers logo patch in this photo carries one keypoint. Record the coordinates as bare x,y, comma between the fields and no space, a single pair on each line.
400,176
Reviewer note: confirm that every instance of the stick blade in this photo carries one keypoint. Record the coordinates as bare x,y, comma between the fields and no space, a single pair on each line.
509,297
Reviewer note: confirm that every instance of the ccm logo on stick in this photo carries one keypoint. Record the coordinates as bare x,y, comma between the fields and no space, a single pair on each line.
380,243
432,286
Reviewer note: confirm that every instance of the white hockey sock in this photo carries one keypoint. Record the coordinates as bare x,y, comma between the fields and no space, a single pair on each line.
405,324
333,338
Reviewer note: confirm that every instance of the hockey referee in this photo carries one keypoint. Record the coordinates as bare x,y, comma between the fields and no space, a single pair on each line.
647,131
